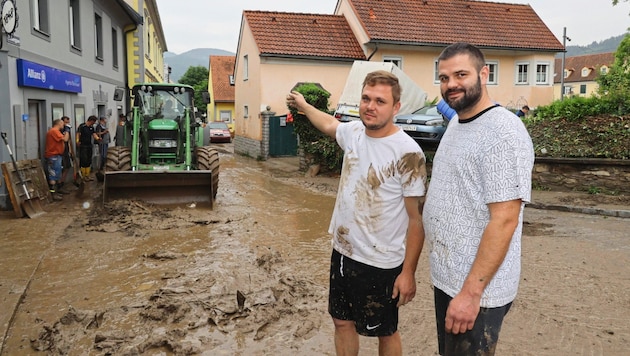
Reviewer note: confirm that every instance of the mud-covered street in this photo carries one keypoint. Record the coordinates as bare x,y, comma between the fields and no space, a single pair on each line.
250,276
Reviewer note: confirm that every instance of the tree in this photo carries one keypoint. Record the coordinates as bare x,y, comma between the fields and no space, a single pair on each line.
615,85
197,77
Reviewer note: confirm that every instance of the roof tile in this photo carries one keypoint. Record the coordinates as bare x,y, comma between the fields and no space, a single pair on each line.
303,35
575,65
442,22
221,68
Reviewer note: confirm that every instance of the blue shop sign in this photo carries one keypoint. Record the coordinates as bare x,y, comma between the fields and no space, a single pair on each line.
40,76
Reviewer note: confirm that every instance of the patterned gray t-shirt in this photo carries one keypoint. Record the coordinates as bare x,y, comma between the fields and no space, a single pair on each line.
486,160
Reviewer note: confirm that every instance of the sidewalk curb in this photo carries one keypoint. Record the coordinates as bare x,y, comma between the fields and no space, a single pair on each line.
581,210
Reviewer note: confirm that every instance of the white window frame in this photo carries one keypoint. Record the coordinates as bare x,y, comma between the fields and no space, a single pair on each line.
547,73
568,89
98,37
75,23
603,70
521,78
398,61
245,68
436,76
495,72
40,15
585,72
114,47
225,116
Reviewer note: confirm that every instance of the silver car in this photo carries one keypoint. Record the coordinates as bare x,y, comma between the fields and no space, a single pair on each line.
425,125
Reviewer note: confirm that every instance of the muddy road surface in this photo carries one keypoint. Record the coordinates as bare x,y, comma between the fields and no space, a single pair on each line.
250,277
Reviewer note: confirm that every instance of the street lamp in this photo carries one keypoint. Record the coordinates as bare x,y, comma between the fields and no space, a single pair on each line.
564,45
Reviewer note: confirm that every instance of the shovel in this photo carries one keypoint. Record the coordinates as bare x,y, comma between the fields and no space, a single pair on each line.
31,206
77,178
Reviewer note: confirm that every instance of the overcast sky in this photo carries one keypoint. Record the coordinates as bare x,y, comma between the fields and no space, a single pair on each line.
190,24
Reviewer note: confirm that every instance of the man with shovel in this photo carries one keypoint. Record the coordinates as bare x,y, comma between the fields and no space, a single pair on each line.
55,146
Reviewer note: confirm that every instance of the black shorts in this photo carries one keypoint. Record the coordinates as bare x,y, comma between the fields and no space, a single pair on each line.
363,294
481,340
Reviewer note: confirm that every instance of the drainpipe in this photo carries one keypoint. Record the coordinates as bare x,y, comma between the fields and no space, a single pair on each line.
126,59
373,52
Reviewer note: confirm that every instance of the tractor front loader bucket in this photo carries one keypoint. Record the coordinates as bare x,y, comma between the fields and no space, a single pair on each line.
160,187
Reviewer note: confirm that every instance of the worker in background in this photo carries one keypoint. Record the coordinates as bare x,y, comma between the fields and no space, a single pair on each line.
85,138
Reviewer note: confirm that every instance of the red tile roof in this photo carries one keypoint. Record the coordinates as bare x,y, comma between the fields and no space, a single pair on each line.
303,35
575,65
221,67
442,22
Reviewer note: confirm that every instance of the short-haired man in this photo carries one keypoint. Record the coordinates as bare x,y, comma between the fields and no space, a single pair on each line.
68,154
480,182
55,140
523,111
376,223
86,138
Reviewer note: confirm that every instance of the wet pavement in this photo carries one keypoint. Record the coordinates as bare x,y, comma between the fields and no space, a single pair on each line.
110,267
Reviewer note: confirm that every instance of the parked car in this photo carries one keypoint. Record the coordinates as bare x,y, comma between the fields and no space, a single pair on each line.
426,125
219,132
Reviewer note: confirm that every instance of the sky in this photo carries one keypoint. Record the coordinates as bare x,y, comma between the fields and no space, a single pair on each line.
190,24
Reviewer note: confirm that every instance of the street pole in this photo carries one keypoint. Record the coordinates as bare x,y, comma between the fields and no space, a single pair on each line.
564,45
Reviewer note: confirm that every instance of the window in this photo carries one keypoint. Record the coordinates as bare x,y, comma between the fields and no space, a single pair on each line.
226,116
57,111
436,77
585,72
396,60
231,78
148,45
115,48
246,111
566,73
568,90
75,24
40,16
98,36
603,70
583,89
492,72
522,72
245,68
542,73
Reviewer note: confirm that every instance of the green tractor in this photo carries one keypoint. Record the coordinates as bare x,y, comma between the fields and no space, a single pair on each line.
163,159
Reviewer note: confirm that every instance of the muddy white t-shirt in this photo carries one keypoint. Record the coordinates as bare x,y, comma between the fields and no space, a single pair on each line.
369,222
486,160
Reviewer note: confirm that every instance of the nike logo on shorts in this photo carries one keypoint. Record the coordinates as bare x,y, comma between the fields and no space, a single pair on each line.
370,327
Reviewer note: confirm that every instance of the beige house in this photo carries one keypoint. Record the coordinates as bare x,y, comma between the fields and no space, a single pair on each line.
277,50
221,89
580,73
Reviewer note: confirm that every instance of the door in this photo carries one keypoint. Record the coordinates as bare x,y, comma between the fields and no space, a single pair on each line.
282,139
32,137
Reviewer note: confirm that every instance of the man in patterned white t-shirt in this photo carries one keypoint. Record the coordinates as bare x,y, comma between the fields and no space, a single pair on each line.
376,223
480,182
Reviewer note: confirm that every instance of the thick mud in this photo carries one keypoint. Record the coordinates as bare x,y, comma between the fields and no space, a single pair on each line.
250,277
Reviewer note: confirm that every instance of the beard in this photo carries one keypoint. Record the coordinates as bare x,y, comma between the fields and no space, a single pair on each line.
373,127
472,95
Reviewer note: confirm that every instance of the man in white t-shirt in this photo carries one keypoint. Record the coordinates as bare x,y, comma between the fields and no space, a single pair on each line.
480,182
376,224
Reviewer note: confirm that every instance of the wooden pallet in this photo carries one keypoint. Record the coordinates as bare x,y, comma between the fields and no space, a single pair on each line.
35,178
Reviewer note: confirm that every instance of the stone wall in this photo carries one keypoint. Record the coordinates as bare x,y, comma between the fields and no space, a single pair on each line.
254,148
247,147
567,174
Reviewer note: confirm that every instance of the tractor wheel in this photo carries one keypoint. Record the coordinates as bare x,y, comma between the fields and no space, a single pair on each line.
208,160
118,159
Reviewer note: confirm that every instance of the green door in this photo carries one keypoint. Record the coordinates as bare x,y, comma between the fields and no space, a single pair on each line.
282,139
